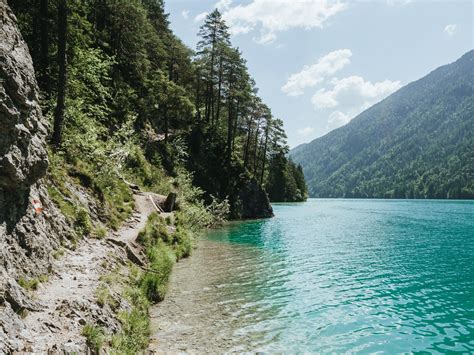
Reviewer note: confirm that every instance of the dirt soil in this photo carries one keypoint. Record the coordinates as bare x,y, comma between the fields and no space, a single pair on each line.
68,299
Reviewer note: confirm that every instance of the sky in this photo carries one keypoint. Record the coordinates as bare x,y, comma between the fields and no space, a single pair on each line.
319,63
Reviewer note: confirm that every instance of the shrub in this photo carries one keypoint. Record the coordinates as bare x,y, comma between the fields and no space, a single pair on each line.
29,284
104,297
100,232
135,332
82,224
182,243
154,231
94,337
155,282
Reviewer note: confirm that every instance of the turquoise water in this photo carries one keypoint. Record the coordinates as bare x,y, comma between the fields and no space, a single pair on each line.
347,276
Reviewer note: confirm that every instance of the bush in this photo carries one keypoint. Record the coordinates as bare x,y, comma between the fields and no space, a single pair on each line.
154,231
135,332
104,297
155,282
82,224
182,243
94,337
29,284
100,232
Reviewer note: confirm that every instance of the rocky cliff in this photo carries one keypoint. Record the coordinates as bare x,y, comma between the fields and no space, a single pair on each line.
27,237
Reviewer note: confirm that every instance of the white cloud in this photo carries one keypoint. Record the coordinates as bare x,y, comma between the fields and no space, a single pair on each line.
314,74
185,14
353,89
306,131
223,4
271,17
200,17
450,29
398,2
350,96
337,119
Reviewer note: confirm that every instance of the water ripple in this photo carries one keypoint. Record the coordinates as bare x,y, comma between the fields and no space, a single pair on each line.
332,276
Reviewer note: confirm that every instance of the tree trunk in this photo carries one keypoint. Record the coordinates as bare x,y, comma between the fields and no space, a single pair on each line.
45,82
198,101
219,91
62,42
247,144
234,129
264,154
255,152
229,131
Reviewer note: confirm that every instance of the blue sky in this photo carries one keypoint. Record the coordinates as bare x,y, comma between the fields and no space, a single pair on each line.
318,63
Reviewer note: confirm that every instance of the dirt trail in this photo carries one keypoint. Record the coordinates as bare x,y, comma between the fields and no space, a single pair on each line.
68,298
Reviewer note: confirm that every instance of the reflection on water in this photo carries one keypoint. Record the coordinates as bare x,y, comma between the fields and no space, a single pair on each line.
328,275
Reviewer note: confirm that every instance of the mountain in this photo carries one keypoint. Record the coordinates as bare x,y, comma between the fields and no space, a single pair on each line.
417,143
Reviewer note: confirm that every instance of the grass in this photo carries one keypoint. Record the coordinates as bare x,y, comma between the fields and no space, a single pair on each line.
104,297
95,337
155,282
109,190
100,232
58,253
135,331
32,283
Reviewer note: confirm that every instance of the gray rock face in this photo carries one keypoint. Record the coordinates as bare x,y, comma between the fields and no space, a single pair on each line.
23,157
27,238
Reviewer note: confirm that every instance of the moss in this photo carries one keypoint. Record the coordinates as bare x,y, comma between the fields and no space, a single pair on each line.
43,278
95,337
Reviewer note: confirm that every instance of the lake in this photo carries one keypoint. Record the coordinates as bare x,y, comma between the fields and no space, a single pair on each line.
328,275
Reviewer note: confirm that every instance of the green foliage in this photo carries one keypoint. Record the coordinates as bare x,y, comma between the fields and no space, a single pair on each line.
154,231
57,254
29,284
134,336
32,283
285,181
100,232
155,281
94,337
181,243
104,297
82,224
137,100
417,143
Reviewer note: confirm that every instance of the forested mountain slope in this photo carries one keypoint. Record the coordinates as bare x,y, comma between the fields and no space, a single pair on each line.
417,143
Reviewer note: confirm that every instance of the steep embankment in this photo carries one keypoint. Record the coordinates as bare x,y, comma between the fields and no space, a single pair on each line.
70,298
54,283
27,239
417,143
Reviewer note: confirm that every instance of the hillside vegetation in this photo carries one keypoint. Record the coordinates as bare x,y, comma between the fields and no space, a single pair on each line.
417,143
128,100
